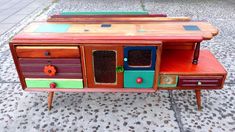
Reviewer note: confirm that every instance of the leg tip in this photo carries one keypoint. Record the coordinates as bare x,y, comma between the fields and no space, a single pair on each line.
195,62
49,108
199,109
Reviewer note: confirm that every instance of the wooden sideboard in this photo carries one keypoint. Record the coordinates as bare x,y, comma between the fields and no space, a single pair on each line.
116,54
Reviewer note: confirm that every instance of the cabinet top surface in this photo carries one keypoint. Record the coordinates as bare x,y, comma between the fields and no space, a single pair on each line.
194,31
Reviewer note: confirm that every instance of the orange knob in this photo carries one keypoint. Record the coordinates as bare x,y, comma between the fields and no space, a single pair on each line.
139,80
50,70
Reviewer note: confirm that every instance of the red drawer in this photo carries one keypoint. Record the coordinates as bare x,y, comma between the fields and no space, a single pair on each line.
65,68
47,51
200,81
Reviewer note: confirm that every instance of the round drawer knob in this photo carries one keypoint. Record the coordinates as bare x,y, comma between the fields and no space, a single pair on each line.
199,83
52,85
139,80
50,70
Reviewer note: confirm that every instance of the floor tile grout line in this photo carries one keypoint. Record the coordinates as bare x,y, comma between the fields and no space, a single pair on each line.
8,82
35,16
176,111
16,12
7,3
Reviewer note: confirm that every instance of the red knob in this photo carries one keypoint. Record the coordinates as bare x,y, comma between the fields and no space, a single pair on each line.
52,85
139,80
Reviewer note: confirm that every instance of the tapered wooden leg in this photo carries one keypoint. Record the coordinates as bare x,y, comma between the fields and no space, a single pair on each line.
198,98
50,99
196,54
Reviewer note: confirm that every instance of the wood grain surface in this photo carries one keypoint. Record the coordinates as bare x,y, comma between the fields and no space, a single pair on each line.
119,15
47,51
160,31
114,19
65,68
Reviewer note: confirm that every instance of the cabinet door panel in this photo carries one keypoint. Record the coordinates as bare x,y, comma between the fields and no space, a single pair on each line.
101,63
104,66
139,57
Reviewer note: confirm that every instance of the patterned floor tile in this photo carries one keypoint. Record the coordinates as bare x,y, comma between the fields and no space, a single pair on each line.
85,111
218,113
8,73
161,111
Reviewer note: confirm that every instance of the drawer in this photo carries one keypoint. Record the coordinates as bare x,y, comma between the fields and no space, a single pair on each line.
63,68
60,83
167,81
138,78
47,51
200,81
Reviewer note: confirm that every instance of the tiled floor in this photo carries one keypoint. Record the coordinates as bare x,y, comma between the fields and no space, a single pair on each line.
13,12
160,111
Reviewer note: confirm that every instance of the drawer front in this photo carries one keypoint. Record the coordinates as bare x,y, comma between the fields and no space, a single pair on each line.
64,68
167,80
138,78
60,83
47,51
197,81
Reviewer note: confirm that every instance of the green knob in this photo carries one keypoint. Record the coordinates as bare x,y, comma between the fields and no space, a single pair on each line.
119,69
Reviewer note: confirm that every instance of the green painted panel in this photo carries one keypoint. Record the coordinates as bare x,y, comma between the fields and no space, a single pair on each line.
52,28
130,77
60,83
167,85
106,13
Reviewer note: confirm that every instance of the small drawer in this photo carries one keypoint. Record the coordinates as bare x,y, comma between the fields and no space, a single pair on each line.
167,81
60,83
200,81
138,78
62,68
47,51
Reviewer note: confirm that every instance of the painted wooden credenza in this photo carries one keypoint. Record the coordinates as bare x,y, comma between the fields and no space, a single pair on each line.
116,53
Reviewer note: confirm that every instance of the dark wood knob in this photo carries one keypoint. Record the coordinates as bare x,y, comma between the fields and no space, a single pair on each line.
47,53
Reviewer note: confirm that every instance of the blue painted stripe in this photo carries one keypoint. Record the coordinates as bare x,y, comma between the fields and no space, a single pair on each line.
52,28
191,28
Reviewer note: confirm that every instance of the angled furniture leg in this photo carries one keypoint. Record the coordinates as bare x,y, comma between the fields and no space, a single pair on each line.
50,95
50,99
198,99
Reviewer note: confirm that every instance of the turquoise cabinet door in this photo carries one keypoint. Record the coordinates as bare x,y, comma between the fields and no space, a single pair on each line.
138,78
